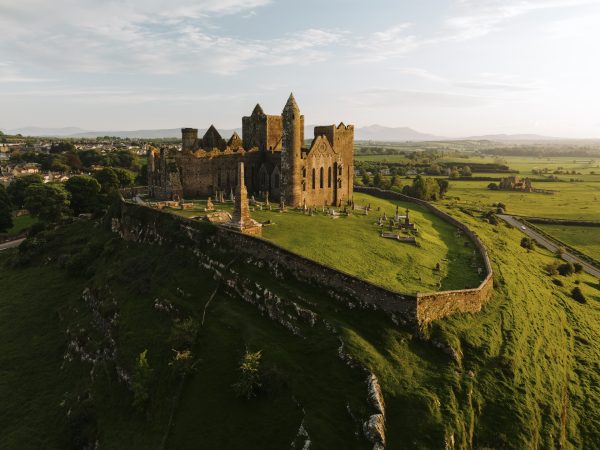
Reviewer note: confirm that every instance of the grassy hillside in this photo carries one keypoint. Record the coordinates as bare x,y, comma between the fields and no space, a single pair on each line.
353,245
522,374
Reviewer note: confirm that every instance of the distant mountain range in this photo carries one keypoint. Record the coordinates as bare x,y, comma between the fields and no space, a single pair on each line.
375,133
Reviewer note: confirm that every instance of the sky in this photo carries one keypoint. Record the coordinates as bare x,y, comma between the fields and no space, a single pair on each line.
448,67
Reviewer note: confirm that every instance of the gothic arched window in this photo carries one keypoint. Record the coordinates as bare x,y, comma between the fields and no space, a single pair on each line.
321,178
313,178
329,177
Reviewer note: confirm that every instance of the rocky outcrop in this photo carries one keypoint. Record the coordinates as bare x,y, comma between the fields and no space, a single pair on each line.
374,427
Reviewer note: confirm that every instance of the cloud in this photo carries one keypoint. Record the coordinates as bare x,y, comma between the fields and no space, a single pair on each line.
384,97
483,81
382,45
153,36
476,18
10,74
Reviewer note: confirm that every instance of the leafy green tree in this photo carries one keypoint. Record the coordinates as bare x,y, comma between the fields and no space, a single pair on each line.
377,179
85,193
566,269
366,179
444,186
74,161
140,385
49,202
466,171
454,173
126,177
6,222
528,243
16,189
424,188
578,295
434,169
249,382
108,179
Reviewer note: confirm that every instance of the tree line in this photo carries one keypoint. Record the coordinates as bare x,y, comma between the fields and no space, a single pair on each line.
51,202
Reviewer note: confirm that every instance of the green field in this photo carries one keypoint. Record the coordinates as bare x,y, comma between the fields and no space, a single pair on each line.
353,245
524,374
582,238
579,201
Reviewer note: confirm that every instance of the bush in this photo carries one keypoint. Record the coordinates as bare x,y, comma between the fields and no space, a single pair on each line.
527,243
552,269
141,382
183,333
578,267
566,269
557,282
249,383
578,295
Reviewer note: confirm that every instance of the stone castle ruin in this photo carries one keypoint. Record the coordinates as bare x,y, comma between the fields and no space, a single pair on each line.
277,164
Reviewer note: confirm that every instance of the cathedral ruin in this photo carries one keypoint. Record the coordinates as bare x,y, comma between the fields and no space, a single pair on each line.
277,163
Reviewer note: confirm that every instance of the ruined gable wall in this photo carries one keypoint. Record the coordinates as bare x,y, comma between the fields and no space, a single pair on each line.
201,176
341,138
321,159
254,131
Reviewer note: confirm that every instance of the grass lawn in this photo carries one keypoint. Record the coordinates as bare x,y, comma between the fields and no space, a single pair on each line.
584,239
21,223
353,245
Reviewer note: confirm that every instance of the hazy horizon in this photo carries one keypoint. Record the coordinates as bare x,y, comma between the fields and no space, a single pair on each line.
449,67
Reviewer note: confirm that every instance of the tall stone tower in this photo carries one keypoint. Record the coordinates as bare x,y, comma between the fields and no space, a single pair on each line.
291,158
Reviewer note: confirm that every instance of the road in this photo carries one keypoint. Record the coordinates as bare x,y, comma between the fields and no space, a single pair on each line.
11,244
547,243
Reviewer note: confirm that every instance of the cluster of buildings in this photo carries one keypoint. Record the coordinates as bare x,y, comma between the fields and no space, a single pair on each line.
276,162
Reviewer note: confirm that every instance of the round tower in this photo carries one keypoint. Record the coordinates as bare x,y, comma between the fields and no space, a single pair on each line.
291,157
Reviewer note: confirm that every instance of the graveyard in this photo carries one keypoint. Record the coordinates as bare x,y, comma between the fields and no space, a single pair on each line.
429,255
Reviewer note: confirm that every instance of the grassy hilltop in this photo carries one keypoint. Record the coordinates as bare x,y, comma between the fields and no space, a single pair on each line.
521,374
353,244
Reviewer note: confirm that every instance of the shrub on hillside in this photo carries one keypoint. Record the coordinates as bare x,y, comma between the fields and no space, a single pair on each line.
141,382
249,382
527,243
566,269
578,267
557,282
578,295
183,333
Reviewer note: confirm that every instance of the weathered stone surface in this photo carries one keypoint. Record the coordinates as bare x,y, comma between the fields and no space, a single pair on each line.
240,218
157,227
272,153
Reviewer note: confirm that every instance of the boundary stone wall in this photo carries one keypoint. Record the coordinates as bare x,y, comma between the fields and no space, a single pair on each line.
143,224
434,305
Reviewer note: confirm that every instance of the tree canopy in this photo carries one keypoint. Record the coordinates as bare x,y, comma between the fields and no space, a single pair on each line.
47,201
16,189
85,193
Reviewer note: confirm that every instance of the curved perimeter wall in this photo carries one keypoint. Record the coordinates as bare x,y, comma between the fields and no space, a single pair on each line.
143,224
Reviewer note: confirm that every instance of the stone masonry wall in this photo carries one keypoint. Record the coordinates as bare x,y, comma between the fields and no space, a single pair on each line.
143,224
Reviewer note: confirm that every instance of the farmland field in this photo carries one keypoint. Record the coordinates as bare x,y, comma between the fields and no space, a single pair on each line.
582,238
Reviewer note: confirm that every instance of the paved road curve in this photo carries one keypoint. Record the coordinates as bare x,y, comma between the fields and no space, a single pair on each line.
11,244
545,242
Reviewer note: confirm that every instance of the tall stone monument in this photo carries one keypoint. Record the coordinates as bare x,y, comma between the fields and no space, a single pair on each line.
240,217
